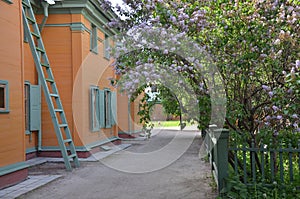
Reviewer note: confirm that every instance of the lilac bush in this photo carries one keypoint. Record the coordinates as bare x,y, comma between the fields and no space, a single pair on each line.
254,44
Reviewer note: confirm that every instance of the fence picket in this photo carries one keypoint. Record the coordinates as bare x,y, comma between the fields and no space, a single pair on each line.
253,165
291,162
262,164
281,163
245,163
272,161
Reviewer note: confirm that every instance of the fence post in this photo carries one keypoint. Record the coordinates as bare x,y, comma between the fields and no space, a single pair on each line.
221,156
211,144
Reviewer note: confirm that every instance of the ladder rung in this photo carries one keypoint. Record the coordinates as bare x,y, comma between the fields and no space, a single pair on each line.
54,95
68,141
36,35
25,4
72,156
45,65
30,19
63,126
58,110
39,49
49,80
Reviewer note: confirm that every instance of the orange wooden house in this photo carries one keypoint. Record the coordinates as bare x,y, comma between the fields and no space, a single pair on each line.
76,41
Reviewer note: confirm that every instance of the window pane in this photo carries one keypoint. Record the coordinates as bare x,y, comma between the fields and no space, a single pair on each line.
2,97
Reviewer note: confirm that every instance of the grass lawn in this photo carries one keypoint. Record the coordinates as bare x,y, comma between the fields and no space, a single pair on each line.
167,123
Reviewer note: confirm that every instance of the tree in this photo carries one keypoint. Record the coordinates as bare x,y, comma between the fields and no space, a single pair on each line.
254,44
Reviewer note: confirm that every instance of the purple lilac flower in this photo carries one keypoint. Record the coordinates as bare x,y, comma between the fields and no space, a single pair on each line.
295,116
266,88
271,94
275,108
268,118
279,117
284,72
297,63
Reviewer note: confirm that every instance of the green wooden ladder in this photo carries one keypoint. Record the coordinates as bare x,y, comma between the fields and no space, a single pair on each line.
45,74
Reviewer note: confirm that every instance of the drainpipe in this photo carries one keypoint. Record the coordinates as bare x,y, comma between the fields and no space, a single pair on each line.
45,6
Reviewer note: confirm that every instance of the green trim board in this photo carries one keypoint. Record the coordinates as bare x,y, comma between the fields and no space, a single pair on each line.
13,167
8,1
90,9
4,96
31,150
77,26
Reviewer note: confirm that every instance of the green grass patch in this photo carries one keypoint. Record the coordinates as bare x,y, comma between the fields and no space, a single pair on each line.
166,123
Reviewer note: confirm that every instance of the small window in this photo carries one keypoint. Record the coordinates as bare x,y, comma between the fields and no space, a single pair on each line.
94,109
4,97
106,47
94,39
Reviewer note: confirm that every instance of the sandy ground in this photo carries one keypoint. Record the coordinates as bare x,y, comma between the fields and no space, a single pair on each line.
186,178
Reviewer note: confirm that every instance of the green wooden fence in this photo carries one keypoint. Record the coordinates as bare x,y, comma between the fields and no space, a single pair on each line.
216,142
262,163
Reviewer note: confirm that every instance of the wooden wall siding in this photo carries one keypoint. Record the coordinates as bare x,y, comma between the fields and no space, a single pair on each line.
136,119
30,75
12,148
67,50
57,41
31,141
122,112
93,64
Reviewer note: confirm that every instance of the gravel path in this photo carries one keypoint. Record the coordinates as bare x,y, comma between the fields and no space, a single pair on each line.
186,178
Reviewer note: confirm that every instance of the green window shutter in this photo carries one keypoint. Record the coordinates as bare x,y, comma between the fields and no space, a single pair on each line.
35,107
113,108
108,109
101,109
94,109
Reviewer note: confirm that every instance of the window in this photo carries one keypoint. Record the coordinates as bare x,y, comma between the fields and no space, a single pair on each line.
110,108
106,47
94,39
102,108
32,100
4,97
